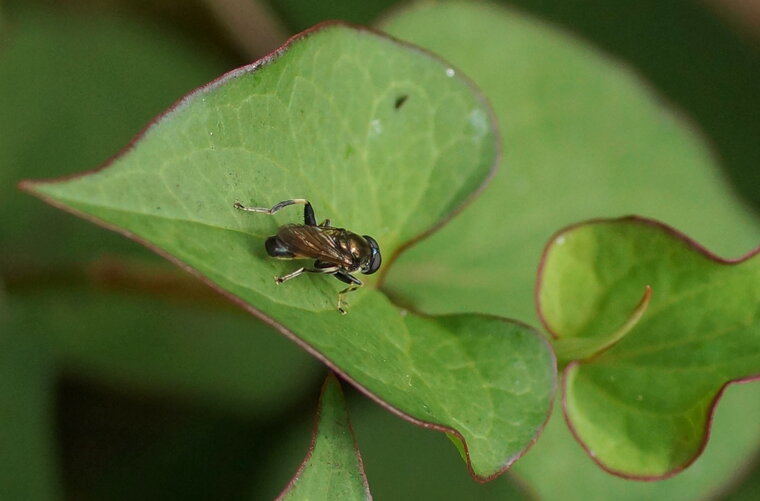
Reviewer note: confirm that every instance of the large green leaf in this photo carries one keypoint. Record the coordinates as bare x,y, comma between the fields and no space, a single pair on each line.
385,140
333,466
642,407
582,139
689,52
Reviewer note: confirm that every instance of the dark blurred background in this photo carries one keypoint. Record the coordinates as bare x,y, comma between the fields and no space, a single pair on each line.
123,378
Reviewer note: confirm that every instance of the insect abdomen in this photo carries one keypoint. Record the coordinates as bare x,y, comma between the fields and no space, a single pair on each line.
276,248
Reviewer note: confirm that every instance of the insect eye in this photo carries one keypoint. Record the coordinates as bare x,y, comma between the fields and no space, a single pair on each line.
375,259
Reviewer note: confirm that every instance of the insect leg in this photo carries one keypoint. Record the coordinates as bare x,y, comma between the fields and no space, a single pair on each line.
327,271
308,212
353,284
325,224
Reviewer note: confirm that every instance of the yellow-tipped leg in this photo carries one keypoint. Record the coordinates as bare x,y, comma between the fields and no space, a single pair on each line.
342,304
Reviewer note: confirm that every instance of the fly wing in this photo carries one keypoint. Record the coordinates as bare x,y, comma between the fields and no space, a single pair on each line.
313,242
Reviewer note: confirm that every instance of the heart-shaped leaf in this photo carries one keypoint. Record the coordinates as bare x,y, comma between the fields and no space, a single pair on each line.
383,139
575,477
642,406
333,467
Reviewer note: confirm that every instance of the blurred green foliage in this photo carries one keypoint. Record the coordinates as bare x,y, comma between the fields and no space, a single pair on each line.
28,468
301,14
85,411
76,87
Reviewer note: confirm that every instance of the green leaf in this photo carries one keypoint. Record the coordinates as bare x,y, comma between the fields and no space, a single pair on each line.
582,348
557,469
583,139
383,139
333,466
699,62
642,407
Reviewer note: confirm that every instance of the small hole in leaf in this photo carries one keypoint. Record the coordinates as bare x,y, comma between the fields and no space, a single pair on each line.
400,101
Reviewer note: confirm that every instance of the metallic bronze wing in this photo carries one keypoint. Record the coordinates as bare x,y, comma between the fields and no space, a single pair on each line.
314,242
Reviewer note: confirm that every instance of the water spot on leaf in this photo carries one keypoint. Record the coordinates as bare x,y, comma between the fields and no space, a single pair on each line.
479,122
376,128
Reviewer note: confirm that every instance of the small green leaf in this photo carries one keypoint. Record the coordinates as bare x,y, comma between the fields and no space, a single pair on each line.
642,408
383,139
333,466
557,469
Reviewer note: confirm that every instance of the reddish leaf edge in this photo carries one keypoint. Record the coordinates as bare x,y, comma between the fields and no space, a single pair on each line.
330,380
696,246
668,474
28,186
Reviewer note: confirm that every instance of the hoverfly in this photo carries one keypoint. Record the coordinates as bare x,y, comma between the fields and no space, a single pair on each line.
337,251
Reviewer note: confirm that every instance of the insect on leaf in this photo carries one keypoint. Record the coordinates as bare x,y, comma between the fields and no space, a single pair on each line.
319,120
